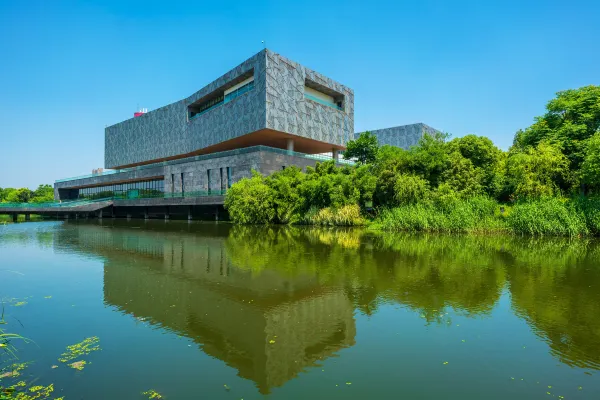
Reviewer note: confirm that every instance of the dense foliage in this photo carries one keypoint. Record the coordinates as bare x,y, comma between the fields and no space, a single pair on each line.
541,185
44,193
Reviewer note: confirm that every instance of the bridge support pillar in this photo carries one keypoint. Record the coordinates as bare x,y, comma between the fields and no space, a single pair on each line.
99,214
217,213
189,213
27,217
128,216
146,213
167,214
76,216
15,217
66,216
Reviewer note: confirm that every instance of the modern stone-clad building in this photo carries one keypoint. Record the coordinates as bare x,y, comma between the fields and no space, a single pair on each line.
404,136
265,114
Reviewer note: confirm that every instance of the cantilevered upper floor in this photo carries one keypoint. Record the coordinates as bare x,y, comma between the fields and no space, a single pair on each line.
267,100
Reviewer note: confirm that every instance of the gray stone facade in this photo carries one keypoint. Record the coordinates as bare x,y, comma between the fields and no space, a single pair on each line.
289,111
195,171
277,102
404,136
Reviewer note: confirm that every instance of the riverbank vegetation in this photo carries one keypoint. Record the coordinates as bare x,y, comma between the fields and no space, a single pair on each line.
43,194
547,183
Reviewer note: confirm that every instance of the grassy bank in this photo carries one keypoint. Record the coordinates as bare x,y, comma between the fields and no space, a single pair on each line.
544,217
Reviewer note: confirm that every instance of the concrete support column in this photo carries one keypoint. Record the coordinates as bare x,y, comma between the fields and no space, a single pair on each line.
27,217
336,155
167,214
112,211
290,145
189,213
66,216
99,214
146,213
76,216
128,217
217,213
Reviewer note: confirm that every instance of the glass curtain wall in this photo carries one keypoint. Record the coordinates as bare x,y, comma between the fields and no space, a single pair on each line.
125,190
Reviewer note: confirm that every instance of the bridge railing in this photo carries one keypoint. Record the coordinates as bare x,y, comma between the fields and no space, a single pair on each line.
130,195
62,204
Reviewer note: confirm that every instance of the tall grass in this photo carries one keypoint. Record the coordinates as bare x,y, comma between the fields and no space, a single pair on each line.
551,216
478,214
348,215
544,217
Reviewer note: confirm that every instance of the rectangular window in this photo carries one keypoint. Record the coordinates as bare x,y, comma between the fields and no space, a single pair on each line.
228,177
222,179
208,180
323,95
239,89
224,94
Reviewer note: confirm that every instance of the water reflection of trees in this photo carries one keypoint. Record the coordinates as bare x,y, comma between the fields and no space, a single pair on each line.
554,283
415,271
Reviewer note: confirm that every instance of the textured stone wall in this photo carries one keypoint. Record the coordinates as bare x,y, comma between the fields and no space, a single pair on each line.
167,131
288,111
194,172
276,102
403,136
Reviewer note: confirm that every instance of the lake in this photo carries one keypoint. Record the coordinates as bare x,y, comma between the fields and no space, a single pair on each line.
216,311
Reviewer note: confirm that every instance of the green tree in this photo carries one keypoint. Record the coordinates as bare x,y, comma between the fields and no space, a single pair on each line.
462,177
486,159
410,189
364,149
250,201
590,170
571,119
22,195
44,193
536,172
430,158
286,196
4,193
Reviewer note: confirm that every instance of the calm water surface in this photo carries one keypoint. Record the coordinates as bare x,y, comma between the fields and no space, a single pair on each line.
204,311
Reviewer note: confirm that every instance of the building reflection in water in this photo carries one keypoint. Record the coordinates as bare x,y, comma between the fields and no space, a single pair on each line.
265,325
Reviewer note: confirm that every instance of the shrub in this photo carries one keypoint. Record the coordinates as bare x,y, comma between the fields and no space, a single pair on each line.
348,215
548,216
410,189
590,208
250,201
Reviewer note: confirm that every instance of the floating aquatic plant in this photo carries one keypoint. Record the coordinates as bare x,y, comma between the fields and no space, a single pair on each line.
152,394
83,348
78,365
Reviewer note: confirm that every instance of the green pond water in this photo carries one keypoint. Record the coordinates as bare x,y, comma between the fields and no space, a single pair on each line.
215,311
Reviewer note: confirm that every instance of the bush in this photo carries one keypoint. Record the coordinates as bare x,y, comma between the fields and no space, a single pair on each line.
590,208
250,201
348,215
549,216
410,189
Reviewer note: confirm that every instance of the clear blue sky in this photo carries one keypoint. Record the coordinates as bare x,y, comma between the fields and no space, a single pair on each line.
70,68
